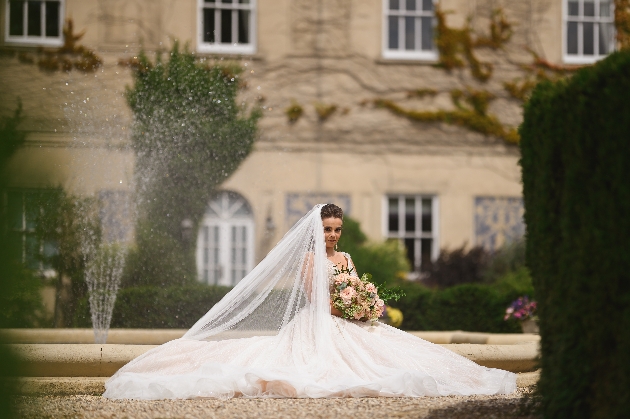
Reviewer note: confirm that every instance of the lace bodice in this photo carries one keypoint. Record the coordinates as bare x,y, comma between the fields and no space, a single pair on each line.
331,267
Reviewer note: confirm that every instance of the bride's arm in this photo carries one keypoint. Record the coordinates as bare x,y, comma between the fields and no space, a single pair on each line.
307,275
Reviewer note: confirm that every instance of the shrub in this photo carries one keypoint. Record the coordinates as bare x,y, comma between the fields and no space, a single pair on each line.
470,307
21,302
459,266
150,307
576,190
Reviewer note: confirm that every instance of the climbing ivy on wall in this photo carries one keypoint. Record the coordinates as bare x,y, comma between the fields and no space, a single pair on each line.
456,48
71,55
622,23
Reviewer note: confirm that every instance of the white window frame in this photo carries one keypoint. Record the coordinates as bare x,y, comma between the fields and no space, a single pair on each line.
42,40
214,47
401,53
418,234
223,224
580,58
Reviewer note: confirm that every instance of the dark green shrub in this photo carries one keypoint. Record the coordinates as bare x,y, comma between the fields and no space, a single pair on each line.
176,307
459,266
470,307
21,302
576,184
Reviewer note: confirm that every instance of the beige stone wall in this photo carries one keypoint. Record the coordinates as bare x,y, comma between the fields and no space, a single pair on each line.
325,51
266,176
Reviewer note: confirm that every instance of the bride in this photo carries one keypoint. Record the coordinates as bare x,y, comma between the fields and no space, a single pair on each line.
275,334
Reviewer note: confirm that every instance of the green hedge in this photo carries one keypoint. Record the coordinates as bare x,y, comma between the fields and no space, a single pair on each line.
470,307
576,182
176,307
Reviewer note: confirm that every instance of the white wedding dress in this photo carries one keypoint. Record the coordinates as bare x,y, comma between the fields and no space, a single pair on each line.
273,336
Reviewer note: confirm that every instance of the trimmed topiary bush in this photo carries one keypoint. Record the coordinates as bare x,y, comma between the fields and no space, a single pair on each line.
576,183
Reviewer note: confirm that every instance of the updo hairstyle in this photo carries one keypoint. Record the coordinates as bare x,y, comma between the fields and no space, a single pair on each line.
331,211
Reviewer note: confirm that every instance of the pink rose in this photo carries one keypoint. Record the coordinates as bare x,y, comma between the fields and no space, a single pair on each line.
347,294
370,288
341,278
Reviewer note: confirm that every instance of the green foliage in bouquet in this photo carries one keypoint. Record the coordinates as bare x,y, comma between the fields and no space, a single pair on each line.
576,191
189,135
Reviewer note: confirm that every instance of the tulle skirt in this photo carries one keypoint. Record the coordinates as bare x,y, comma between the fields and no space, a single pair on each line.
358,359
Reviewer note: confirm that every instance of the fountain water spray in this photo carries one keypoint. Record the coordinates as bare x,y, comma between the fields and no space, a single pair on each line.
102,274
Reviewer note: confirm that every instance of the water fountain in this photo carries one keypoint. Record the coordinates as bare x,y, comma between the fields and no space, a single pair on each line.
184,135
103,272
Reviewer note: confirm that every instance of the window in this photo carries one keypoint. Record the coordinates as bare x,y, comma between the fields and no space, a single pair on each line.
225,244
34,22
227,26
413,221
588,30
408,29
23,209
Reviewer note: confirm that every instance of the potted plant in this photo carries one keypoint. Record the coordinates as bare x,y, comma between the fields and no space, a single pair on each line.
523,310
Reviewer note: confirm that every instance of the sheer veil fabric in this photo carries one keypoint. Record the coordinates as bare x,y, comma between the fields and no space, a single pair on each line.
273,335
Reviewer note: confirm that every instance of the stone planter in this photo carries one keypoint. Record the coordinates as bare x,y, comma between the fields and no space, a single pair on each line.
529,326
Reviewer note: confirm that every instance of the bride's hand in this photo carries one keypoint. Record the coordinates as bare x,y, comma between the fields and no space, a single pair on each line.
334,311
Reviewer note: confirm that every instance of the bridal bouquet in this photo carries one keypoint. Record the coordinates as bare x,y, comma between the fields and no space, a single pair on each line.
357,298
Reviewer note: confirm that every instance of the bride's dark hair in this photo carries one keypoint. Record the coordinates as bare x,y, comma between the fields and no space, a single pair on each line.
331,211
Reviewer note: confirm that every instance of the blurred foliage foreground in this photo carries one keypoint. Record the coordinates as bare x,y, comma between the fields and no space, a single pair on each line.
576,188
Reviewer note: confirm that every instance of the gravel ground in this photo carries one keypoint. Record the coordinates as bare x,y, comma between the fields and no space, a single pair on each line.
452,407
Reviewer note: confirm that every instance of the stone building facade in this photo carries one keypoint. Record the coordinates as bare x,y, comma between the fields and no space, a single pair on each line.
431,185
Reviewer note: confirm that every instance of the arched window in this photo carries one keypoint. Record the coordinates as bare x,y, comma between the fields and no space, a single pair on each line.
225,245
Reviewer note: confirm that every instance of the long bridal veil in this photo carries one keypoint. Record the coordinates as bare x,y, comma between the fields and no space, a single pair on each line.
292,278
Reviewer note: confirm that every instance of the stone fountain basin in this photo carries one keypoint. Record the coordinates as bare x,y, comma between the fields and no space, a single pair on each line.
65,361
160,336
92,360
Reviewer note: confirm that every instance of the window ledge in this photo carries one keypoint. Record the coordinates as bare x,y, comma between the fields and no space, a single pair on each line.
580,60
226,49
406,61
230,56
26,42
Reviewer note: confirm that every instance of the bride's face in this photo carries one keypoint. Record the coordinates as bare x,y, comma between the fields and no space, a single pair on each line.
332,231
